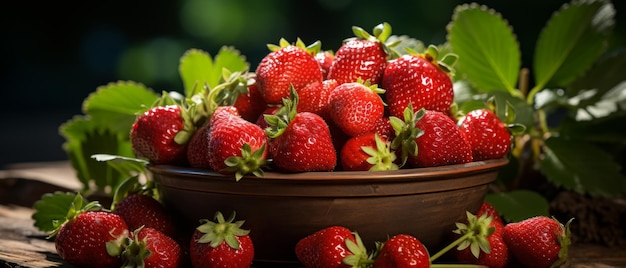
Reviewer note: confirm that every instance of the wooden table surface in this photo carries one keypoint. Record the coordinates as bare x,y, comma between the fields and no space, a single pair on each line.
22,245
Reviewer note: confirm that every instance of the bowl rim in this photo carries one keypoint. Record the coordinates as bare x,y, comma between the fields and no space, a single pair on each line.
425,173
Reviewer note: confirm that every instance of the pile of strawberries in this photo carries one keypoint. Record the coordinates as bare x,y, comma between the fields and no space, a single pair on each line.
137,232
538,242
366,106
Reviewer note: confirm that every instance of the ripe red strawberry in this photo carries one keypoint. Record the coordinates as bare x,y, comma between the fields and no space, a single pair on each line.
355,107
314,97
221,244
325,58
497,255
486,133
92,239
149,247
437,139
139,210
539,241
402,250
198,148
300,141
250,104
285,66
367,152
160,136
236,146
362,57
332,247
420,80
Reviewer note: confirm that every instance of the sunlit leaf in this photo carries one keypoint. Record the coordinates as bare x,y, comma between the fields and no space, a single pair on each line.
579,166
518,205
571,41
198,69
116,105
488,51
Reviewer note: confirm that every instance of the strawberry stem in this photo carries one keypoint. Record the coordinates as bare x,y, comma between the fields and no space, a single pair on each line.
455,243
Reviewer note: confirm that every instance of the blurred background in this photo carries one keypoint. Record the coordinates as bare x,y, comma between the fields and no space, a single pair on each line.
55,54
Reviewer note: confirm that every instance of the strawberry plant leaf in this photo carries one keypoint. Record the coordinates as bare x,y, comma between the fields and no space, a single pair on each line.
571,41
84,137
582,167
488,51
518,205
197,69
50,208
128,166
117,104
601,91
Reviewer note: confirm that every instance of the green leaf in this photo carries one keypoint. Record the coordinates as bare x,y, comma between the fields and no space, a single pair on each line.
197,69
602,90
116,105
609,130
84,137
518,205
571,41
488,51
50,208
582,167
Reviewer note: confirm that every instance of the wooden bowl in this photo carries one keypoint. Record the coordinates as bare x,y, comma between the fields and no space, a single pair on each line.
280,209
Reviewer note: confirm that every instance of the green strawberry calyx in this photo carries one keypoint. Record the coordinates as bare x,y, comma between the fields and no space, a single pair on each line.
431,54
135,250
472,235
359,256
312,49
221,230
278,122
77,207
381,34
406,132
381,157
248,163
565,242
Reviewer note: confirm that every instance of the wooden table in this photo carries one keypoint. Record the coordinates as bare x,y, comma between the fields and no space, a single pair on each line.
22,245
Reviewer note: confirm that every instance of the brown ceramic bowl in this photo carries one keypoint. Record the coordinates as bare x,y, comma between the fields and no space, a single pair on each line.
280,209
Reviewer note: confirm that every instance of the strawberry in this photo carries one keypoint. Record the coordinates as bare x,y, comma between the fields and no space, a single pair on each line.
362,57
325,58
539,241
496,255
160,135
488,136
332,247
89,236
221,244
367,152
300,141
250,104
149,247
430,138
401,250
355,107
419,79
384,128
139,210
285,66
270,110
314,97
198,148
235,145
